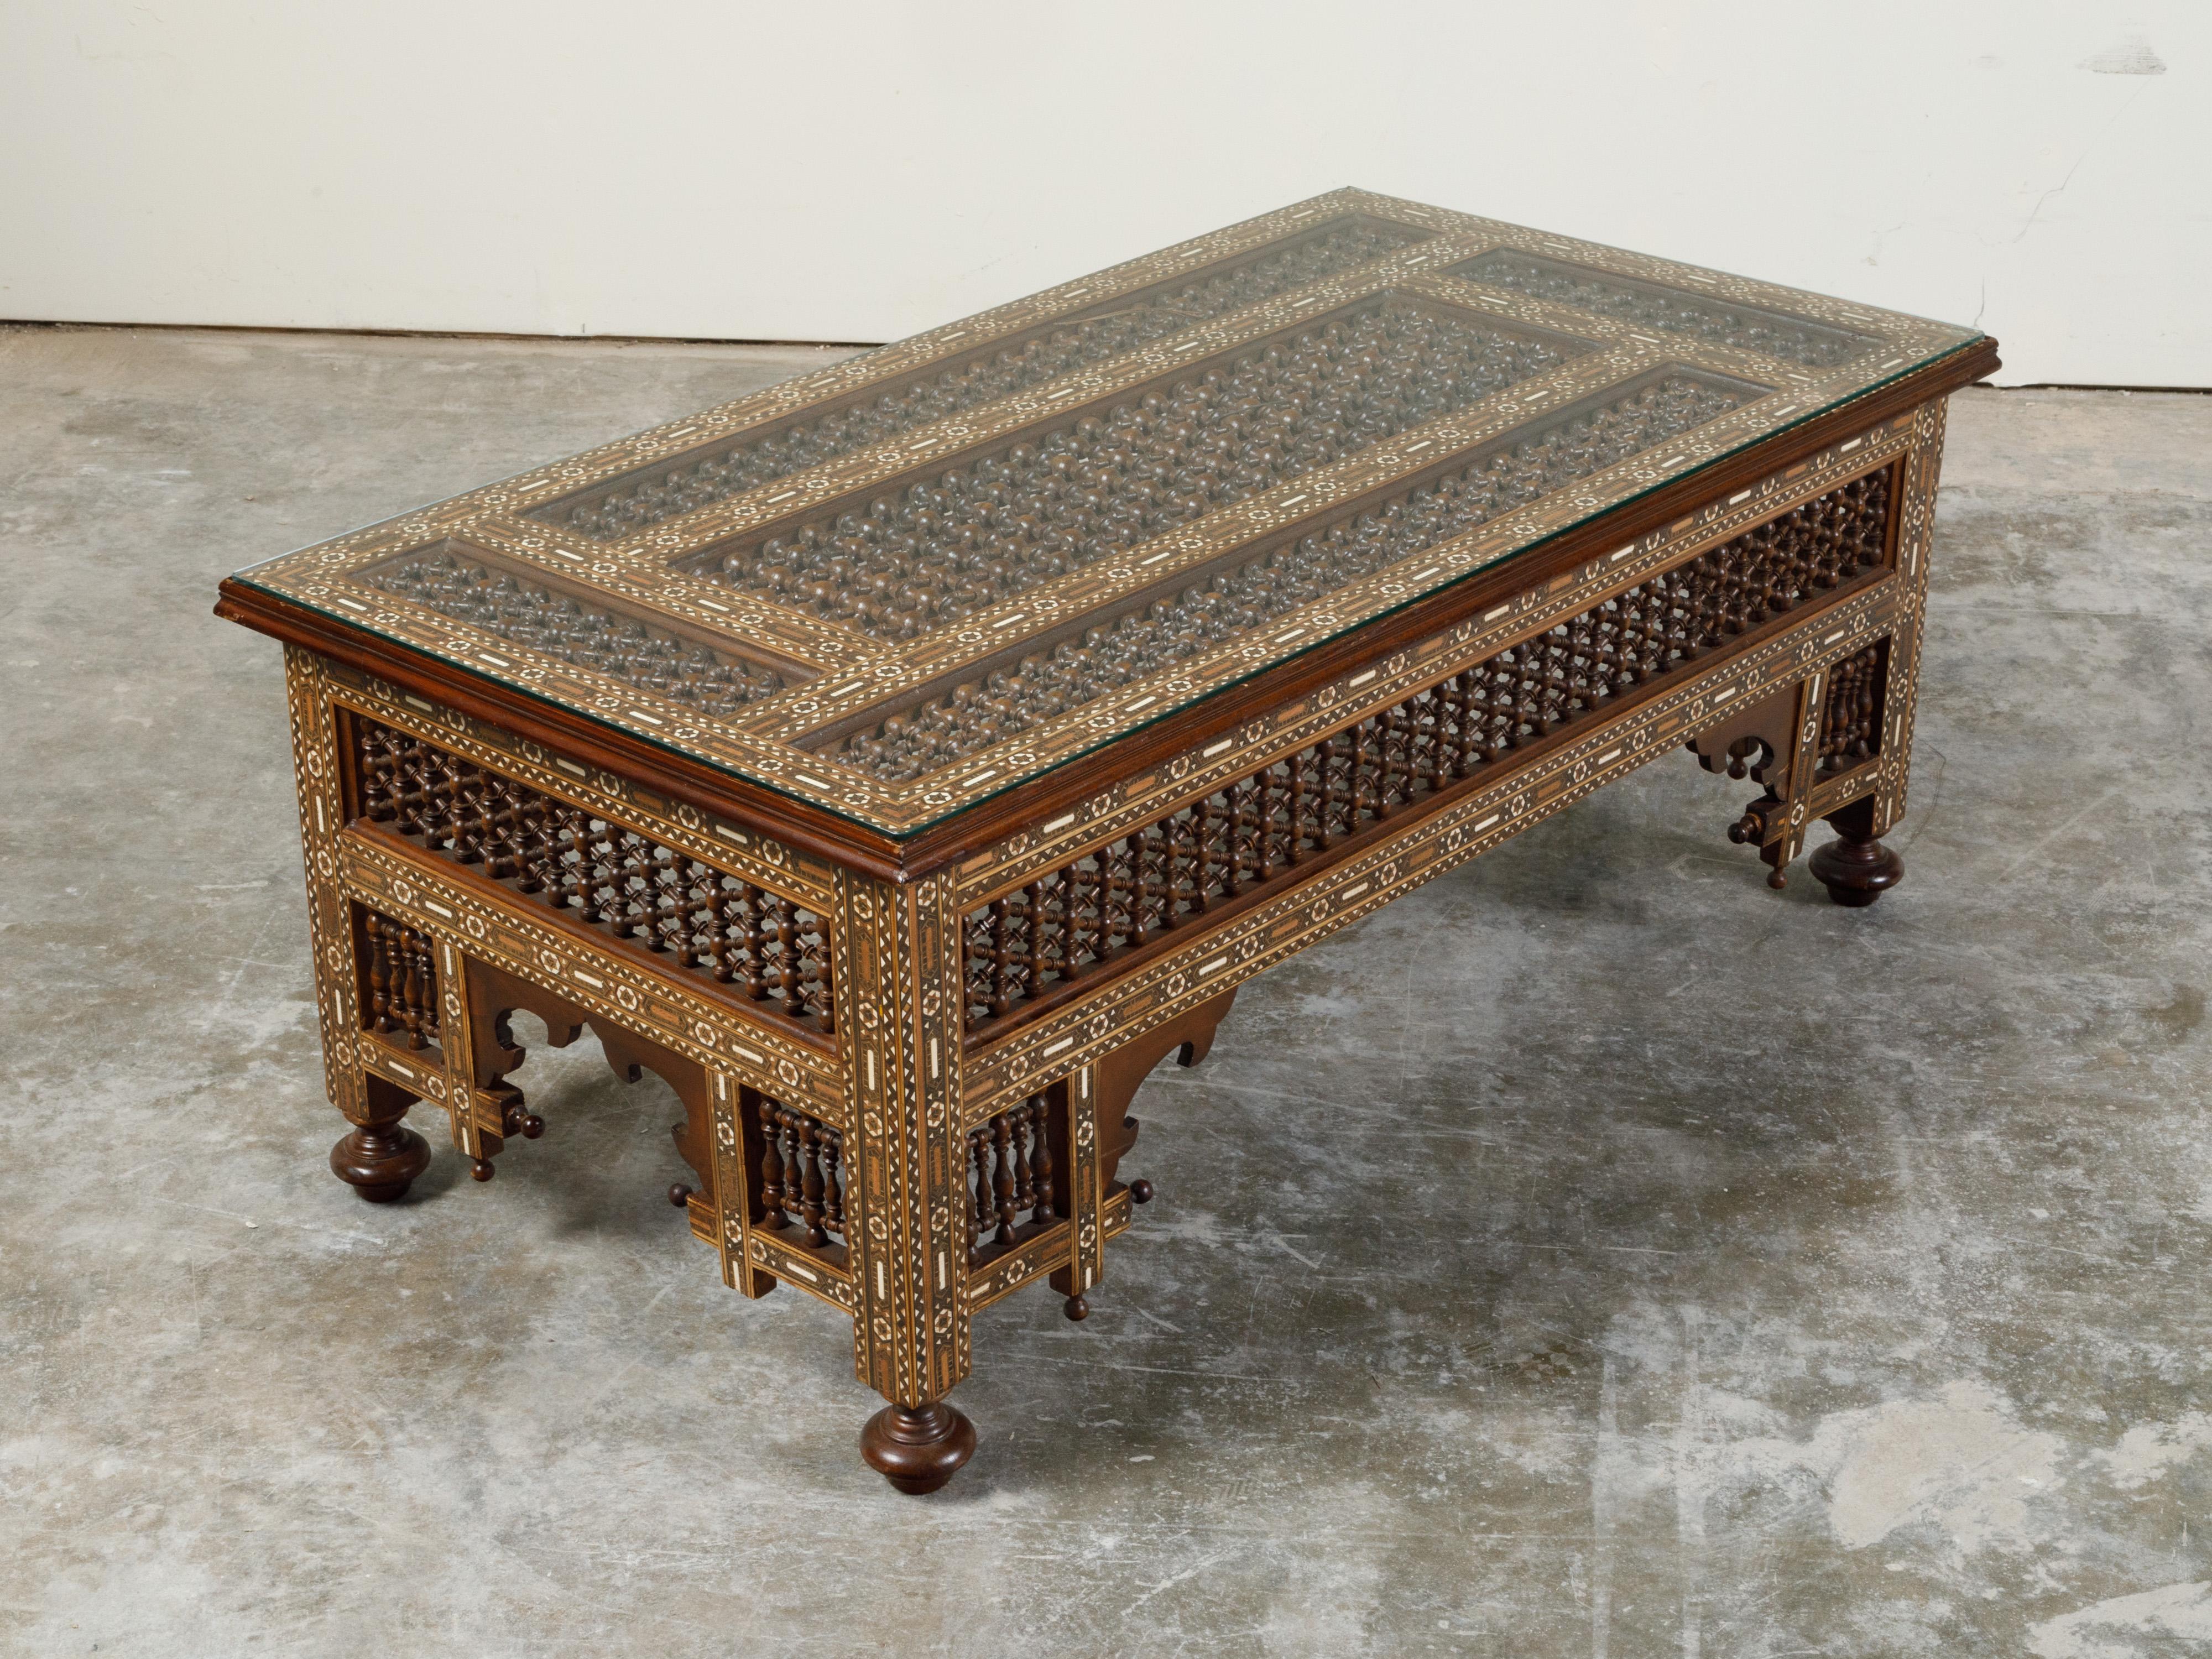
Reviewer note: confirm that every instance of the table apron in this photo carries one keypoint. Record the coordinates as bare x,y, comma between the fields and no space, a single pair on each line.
397,880
1340,885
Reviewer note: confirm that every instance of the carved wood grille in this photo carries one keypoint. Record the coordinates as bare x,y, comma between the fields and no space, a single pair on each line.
402,969
1850,716
802,1176
767,949
1010,1174
1258,829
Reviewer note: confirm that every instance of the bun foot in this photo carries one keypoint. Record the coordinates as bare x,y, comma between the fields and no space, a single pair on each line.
380,1162
1856,873
1076,1308
480,1169
918,1448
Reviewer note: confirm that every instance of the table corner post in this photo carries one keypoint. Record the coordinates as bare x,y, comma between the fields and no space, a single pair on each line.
1856,868
378,1155
900,999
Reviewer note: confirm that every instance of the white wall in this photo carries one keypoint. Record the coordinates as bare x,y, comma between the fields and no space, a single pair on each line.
704,167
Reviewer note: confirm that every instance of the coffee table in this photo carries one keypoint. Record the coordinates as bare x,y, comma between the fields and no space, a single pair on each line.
902,760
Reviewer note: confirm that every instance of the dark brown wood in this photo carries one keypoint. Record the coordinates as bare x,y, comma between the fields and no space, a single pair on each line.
1855,868
379,1156
918,1448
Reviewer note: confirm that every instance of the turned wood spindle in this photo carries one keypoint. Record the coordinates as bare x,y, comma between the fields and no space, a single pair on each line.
1041,1167
1003,1185
772,1166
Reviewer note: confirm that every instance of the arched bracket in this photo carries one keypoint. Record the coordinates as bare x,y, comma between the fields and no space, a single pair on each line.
1763,741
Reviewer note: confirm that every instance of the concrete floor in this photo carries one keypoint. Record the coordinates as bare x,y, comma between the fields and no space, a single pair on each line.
1595,1253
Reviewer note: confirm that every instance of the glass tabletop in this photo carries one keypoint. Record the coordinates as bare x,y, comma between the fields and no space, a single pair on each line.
899,585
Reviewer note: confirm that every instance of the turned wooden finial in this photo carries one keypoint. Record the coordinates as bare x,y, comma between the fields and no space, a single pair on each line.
679,1194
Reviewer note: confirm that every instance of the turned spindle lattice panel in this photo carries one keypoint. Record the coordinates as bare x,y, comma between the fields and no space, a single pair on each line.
1850,715
1110,652
400,981
1261,828
800,1179
944,549
583,633
915,400
1017,1187
763,947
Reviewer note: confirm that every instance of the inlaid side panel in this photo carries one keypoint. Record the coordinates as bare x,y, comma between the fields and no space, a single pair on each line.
1259,828
502,928
1174,976
759,944
746,853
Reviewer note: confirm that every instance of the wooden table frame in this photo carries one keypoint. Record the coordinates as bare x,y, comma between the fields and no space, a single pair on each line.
902,1085
907,1095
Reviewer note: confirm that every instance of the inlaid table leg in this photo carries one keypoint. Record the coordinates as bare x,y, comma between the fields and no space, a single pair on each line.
899,1001
378,1157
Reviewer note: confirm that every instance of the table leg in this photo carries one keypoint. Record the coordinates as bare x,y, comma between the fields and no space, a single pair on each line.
1855,868
899,1001
378,1157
